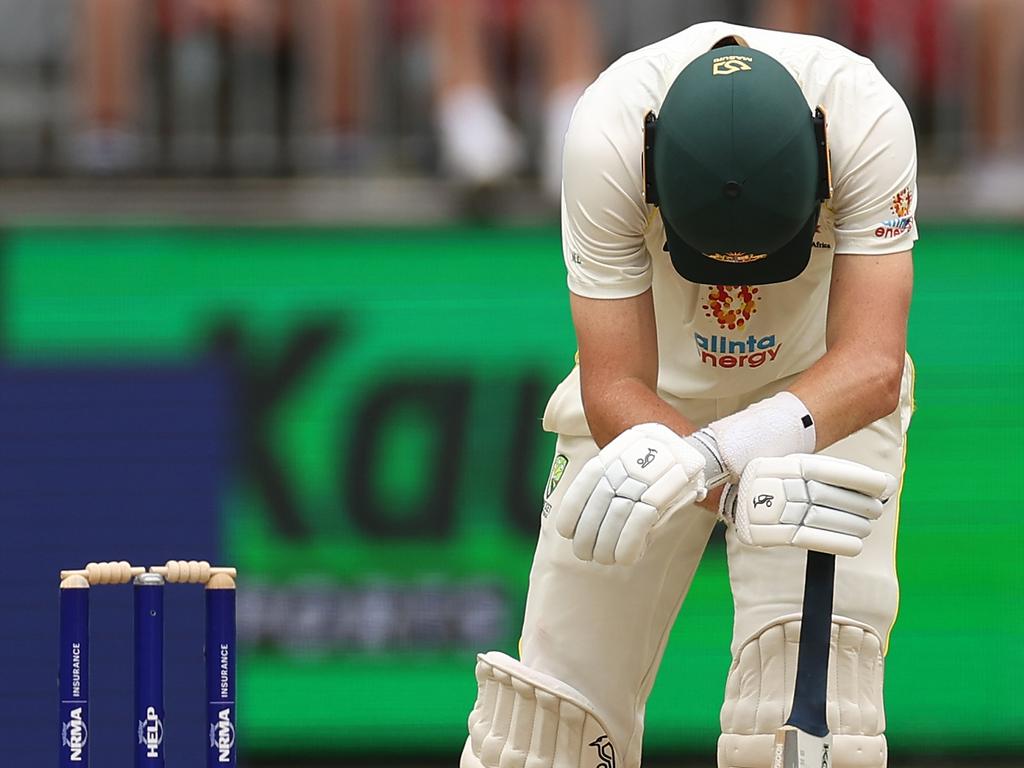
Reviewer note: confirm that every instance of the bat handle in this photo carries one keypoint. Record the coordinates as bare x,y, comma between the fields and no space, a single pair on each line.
811,690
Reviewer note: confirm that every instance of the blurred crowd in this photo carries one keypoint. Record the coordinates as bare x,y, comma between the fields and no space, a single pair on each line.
479,91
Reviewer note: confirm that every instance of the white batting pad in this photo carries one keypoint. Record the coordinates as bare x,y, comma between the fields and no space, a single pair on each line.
527,719
755,751
759,692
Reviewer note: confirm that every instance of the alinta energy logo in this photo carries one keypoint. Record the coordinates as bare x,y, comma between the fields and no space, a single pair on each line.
732,307
900,208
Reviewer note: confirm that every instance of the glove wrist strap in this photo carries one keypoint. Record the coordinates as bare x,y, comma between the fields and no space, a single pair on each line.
715,472
727,504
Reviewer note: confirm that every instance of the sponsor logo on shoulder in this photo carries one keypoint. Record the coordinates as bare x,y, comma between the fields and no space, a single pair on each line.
902,202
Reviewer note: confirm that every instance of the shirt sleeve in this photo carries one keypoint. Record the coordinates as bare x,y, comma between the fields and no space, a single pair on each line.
604,217
874,159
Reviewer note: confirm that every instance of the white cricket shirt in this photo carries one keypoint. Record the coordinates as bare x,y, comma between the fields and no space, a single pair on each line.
725,341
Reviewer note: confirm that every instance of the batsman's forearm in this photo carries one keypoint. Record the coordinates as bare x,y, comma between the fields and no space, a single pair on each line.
848,389
614,408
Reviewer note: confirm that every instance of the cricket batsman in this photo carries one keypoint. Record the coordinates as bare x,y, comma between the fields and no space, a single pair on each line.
737,225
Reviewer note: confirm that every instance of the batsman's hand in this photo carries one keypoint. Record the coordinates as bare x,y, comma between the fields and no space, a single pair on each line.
622,493
807,501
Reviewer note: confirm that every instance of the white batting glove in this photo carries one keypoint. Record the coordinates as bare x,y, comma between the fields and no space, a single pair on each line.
622,493
807,501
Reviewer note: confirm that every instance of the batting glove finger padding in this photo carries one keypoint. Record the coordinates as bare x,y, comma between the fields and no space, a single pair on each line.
813,502
622,493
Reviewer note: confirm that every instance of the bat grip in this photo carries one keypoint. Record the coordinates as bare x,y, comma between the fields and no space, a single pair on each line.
811,690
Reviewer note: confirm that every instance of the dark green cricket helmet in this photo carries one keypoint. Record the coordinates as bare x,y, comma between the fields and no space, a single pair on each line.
737,162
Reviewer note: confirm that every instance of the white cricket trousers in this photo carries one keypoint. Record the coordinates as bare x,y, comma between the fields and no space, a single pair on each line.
603,629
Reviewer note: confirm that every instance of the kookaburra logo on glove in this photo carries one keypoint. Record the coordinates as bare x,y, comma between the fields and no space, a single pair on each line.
765,499
651,455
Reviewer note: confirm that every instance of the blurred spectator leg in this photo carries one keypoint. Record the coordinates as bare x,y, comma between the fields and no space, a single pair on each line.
1001,49
998,103
108,75
283,56
477,142
568,38
337,54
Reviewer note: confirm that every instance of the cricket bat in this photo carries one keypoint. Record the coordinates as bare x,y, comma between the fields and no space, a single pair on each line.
804,741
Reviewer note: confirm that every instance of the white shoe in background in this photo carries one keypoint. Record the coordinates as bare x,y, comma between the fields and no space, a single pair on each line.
995,184
478,144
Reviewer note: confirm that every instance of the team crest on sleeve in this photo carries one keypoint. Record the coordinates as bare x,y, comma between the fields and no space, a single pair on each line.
557,470
902,203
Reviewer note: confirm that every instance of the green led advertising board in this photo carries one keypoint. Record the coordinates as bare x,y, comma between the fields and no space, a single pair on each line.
390,466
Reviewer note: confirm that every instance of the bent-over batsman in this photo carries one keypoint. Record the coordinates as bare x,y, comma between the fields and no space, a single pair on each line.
737,223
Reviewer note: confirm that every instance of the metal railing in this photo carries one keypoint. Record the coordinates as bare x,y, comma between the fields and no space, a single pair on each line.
212,99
